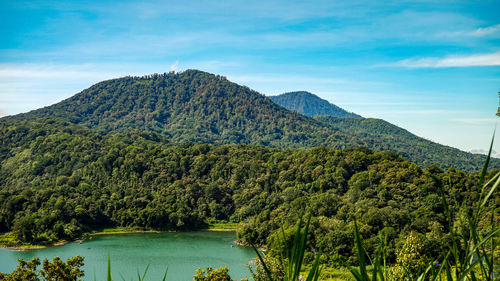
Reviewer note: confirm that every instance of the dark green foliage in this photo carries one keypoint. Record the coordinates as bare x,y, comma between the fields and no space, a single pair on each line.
471,255
310,105
210,274
419,150
86,179
57,270
292,259
198,107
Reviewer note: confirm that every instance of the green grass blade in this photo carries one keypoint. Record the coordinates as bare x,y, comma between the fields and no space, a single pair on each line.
165,275
361,252
144,274
448,272
483,241
109,269
490,193
487,162
354,272
301,250
315,269
266,269
443,263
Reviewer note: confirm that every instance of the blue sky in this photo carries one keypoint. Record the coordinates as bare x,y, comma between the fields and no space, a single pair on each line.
431,67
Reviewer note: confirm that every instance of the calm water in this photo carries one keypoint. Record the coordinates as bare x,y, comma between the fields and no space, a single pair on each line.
182,252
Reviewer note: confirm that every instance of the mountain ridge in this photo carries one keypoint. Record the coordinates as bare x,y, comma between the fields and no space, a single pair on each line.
310,105
199,107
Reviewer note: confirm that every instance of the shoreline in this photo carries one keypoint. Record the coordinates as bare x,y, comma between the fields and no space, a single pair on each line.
110,231
30,247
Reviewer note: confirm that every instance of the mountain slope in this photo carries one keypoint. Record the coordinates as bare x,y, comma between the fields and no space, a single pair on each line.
191,106
195,106
388,136
310,105
406,144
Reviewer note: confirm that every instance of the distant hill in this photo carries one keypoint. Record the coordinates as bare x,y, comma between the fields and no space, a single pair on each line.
199,107
393,138
310,105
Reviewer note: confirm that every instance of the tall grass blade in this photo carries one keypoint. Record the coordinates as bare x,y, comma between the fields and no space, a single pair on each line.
109,269
490,193
487,162
299,256
361,253
315,269
165,275
266,269
144,274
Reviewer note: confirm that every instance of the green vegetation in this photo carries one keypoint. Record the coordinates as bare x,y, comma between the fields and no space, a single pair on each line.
291,259
223,226
406,144
57,270
210,274
59,181
198,107
310,105
106,161
472,253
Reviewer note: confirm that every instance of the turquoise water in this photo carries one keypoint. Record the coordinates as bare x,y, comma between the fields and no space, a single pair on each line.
181,252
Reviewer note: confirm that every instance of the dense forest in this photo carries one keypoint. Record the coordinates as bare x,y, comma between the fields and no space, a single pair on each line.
310,105
198,107
59,180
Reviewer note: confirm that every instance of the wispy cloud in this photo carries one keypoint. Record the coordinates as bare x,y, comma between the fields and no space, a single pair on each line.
491,59
484,31
477,121
174,66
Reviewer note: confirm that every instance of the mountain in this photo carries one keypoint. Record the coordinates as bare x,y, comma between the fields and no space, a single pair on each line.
310,105
393,138
388,136
192,106
199,107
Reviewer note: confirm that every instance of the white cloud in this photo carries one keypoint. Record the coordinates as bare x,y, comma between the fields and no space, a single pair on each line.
484,31
174,66
492,59
476,121
465,33
3,113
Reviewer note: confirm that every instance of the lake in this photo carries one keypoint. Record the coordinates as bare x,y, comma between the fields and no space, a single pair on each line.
181,252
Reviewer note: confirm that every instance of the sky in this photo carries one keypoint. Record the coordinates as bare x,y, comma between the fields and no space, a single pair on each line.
431,67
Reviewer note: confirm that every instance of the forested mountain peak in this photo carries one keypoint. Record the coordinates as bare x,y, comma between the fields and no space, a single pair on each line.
309,104
190,106
198,107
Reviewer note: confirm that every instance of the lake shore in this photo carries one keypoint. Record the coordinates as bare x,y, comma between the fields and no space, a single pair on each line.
7,240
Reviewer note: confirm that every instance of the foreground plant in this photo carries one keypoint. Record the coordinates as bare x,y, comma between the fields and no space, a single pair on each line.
293,260
50,271
471,256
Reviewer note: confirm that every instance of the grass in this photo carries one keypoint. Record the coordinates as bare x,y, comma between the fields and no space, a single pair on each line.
294,258
8,240
223,226
470,257
122,230
336,274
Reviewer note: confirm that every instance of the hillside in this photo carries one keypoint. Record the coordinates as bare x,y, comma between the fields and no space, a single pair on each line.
195,106
192,106
394,138
310,105
58,181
